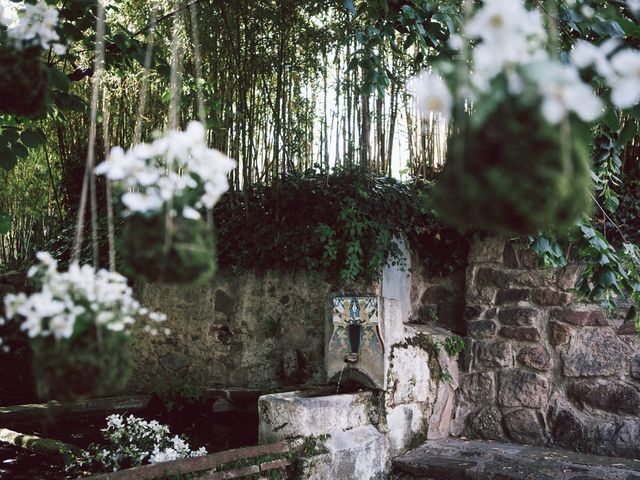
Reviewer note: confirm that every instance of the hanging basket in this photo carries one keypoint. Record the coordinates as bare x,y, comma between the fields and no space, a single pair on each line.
93,363
514,174
24,83
181,251
79,324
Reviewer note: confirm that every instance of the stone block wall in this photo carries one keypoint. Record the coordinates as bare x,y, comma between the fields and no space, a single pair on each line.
260,330
437,300
541,367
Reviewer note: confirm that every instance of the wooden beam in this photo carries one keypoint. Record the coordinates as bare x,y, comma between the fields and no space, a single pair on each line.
196,464
42,446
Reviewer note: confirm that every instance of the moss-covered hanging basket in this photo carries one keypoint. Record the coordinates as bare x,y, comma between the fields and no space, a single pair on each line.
181,251
93,363
514,174
24,83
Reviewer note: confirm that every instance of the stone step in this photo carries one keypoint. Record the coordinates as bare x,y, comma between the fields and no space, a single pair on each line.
459,459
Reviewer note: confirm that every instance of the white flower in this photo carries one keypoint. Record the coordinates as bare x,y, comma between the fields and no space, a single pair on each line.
585,54
142,202
587,11
431,94
35,27
191,213
61,326
510,36
626,85
563,91
65,296
149,171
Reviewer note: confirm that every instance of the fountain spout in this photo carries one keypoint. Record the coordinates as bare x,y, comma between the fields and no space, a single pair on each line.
351,357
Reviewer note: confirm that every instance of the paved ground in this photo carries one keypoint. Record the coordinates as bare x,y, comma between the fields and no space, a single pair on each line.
455,459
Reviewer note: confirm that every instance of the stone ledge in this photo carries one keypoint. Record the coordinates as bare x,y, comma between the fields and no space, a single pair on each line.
456,459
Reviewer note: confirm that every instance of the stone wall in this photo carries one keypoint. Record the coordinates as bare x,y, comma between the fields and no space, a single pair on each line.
263,330
540,367
242,330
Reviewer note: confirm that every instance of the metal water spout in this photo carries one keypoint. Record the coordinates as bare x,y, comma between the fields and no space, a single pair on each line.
351,357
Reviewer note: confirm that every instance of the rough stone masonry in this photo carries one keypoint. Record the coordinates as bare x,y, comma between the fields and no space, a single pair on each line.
541,367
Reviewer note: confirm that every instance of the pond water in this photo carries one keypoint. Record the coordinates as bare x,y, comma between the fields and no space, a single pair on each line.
216,431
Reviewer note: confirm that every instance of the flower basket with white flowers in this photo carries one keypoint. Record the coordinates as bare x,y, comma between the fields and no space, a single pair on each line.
79,326
518,157
24,78
132,441
168,184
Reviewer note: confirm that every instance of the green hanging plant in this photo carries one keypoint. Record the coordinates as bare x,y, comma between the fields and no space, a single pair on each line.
24,83
79,327
517,158
170,182
514,173
92,364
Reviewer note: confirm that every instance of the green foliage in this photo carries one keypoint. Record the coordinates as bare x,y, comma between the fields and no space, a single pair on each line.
454,345
24,84
410,30
182,253
610,274
179,393
513,173
5,223
96,362
341,225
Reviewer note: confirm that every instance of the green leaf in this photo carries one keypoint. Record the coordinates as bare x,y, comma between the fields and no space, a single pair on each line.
8,159
9,135
5,223
33,138
348,4
20,150
607,277
59,80
628,132
611,203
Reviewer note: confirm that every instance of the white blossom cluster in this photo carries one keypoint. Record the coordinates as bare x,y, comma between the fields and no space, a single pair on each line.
80,294
620,69
133,440
511,42
156,172
34,26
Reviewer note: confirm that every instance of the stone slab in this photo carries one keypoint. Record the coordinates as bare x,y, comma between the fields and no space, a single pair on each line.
454,459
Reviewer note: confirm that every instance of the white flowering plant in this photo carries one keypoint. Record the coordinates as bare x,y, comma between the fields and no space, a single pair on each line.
518,158
79,323
167,186
24,36
34,26
131,441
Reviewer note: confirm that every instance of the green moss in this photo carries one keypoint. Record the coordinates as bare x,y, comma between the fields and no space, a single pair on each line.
514,174
186,257
24,83
94,363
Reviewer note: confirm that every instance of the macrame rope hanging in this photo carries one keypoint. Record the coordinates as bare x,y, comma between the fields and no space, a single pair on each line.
198,63
107,146
88,178
144,92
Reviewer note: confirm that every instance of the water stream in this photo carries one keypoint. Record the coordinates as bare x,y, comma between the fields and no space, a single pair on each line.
340,378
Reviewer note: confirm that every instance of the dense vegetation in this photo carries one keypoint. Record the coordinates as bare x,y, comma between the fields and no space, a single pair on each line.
293,90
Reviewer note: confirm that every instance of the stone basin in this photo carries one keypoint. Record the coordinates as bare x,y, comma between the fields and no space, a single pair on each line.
309,413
